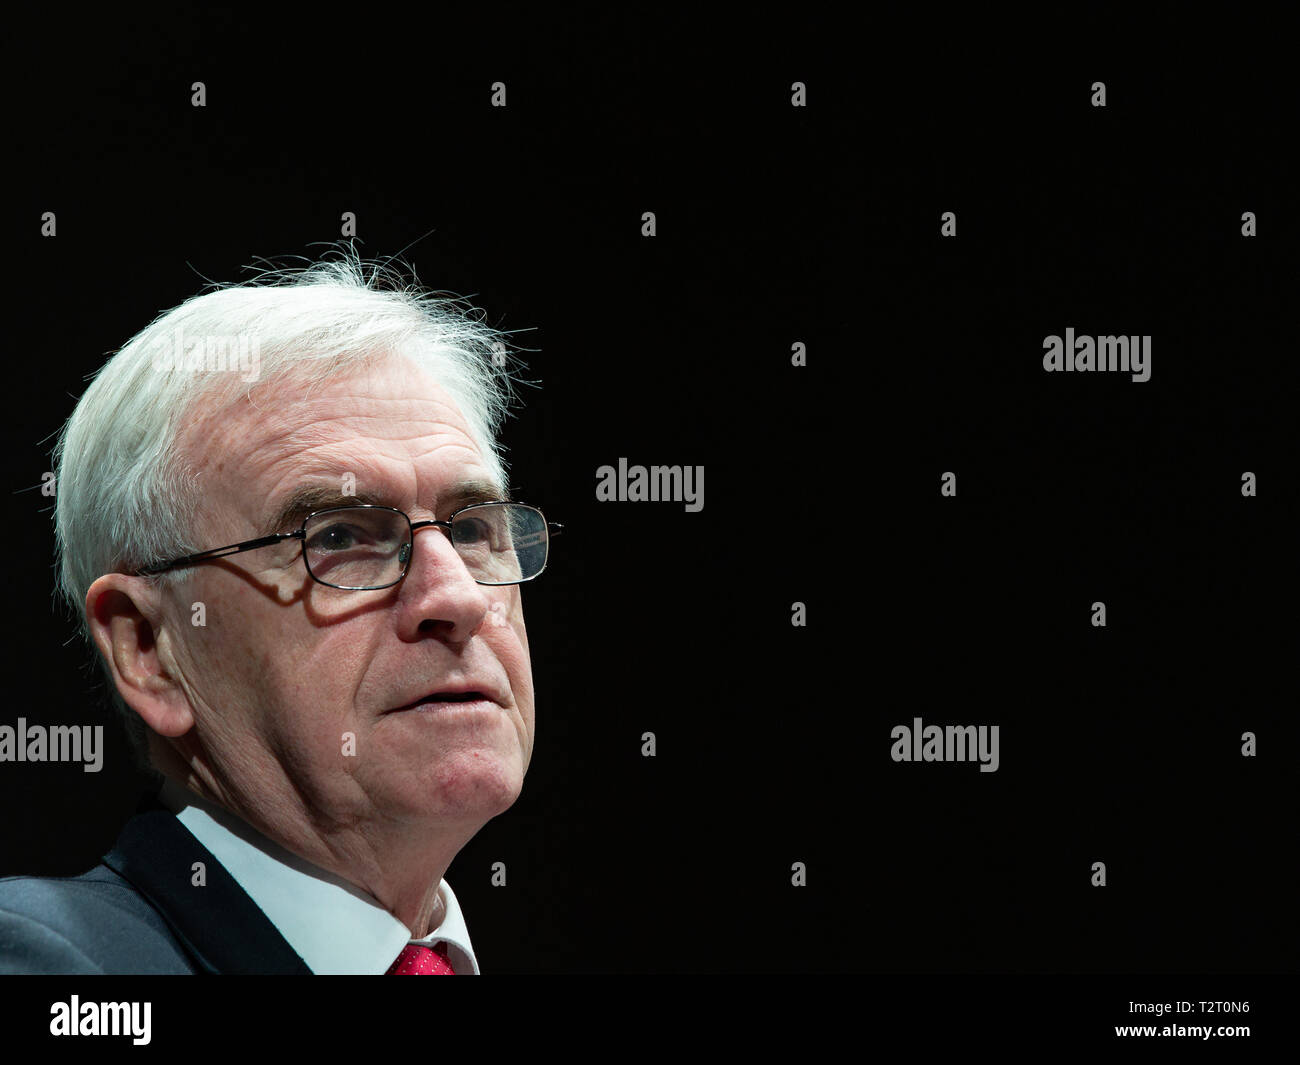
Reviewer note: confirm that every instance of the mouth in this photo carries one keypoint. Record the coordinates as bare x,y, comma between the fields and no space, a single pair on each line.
446,698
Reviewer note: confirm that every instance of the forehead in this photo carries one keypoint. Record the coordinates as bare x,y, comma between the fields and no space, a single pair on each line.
388,424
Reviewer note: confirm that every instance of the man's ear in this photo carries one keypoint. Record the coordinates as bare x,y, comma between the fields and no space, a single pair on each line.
125,618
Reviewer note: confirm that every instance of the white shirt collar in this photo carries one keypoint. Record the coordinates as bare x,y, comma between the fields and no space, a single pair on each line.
335,927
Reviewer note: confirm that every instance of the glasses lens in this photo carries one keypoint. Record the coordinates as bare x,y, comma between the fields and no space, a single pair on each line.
501,543
357,548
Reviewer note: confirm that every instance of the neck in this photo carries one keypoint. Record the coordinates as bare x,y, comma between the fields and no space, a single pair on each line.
413,898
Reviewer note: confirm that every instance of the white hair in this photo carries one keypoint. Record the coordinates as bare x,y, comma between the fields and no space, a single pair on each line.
126,498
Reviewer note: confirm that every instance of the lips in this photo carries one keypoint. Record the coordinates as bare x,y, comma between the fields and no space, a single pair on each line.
451,694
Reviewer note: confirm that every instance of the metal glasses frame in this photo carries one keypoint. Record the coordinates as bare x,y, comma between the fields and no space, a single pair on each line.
552,529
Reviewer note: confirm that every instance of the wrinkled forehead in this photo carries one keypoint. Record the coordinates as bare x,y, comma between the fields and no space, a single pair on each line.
245,443
386,398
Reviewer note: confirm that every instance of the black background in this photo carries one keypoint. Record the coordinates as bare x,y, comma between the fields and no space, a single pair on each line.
775,225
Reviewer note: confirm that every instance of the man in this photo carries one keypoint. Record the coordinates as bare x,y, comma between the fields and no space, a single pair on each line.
336,699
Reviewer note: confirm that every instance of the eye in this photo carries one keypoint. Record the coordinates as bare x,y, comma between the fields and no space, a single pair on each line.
339,536
469,531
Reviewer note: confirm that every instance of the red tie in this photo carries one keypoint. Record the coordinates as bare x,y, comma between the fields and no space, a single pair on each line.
418,960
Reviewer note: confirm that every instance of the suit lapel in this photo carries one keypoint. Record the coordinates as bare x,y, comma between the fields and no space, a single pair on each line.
222,928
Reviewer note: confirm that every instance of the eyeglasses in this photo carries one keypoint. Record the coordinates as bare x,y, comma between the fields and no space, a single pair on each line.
366,548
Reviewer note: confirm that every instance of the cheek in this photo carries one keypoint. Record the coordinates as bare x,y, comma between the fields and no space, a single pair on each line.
511,639
227,651
521,634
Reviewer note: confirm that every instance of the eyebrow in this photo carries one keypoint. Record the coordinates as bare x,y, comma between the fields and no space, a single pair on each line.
293,508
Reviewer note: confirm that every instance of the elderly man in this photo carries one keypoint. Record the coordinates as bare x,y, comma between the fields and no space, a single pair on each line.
282,508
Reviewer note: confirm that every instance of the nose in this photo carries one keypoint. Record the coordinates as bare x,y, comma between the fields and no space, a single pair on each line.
438,591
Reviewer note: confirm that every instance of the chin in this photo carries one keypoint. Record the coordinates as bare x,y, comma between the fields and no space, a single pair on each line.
473,784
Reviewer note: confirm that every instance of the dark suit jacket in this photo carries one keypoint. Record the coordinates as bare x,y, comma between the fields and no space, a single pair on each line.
137,912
